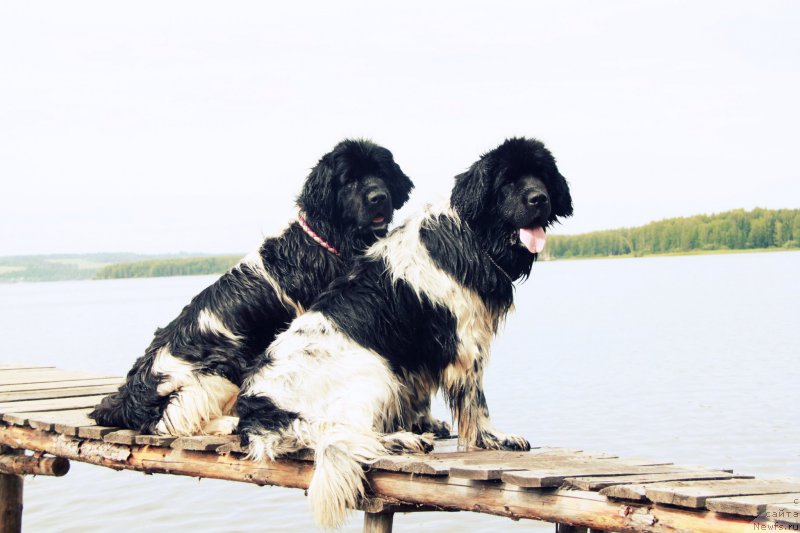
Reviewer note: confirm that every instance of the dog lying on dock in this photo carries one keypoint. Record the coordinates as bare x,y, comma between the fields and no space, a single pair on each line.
414,315
190,375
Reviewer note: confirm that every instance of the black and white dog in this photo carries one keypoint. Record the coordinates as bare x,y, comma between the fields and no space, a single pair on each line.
190,375
414,315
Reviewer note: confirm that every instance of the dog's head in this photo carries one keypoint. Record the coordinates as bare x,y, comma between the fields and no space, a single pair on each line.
355,187
509,197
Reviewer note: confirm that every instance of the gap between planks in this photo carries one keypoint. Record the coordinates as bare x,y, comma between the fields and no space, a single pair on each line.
61,392
19,377
53,404
34,387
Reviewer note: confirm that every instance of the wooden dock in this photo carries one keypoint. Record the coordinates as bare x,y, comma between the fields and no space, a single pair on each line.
45,424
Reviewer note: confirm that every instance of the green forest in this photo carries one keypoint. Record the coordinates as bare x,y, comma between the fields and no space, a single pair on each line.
189,266
59,267
731,230
67,267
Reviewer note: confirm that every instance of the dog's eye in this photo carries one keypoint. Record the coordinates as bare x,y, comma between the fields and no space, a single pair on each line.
345,182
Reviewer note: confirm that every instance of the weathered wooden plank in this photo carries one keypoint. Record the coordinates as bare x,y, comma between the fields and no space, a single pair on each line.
36,375
693,494
71,424
95,432
785,513
65,422
37,387
155,440
601,482
56,404
122,436
16,419
47,420
205,443
434,464
233,446
22,366
66,392
483,472
633,492
442,464
552,473
487,471
750,505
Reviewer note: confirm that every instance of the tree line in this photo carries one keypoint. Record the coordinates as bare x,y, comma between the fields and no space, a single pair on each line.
190,266
731,230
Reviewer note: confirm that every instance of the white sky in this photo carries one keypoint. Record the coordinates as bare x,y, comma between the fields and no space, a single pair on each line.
189,126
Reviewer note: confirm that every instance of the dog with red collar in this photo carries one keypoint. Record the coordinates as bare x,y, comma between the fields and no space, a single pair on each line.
189,376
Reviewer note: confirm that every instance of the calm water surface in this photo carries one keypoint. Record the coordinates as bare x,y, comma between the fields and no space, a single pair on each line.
692,359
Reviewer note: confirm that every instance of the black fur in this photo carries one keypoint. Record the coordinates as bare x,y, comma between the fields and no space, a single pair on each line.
516,185
343,200
487,198
261,414
390,319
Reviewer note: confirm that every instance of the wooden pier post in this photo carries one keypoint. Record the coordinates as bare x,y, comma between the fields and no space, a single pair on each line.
10,503
10,499
378,522
566,528
14,465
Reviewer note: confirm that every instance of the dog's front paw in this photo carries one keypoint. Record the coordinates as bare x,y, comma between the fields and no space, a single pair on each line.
495,440
439,428
406,442
516,443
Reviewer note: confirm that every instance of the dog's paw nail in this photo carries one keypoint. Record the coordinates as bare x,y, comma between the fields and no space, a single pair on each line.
443,430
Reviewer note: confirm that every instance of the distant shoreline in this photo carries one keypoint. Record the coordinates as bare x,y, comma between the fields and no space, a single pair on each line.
731,232
543,260
668,254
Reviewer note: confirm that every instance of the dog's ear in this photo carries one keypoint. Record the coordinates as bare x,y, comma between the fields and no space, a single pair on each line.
399,184
318,196
560,197
471,192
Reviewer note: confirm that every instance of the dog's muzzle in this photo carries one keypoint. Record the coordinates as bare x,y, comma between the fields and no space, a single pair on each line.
378,202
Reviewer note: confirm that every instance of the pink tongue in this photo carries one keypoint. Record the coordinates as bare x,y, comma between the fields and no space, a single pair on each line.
533,239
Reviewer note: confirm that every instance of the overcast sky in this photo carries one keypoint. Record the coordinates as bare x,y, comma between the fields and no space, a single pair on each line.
189,126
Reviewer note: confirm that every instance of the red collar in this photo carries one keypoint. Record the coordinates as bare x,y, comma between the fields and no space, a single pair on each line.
319,240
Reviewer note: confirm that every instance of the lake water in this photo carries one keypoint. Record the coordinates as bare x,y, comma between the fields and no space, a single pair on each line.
692,359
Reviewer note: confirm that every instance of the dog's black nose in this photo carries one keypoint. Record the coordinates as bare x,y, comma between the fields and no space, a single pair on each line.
376,197
537,198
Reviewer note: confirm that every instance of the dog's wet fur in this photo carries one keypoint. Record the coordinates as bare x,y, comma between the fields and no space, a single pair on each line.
413,316
190,374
